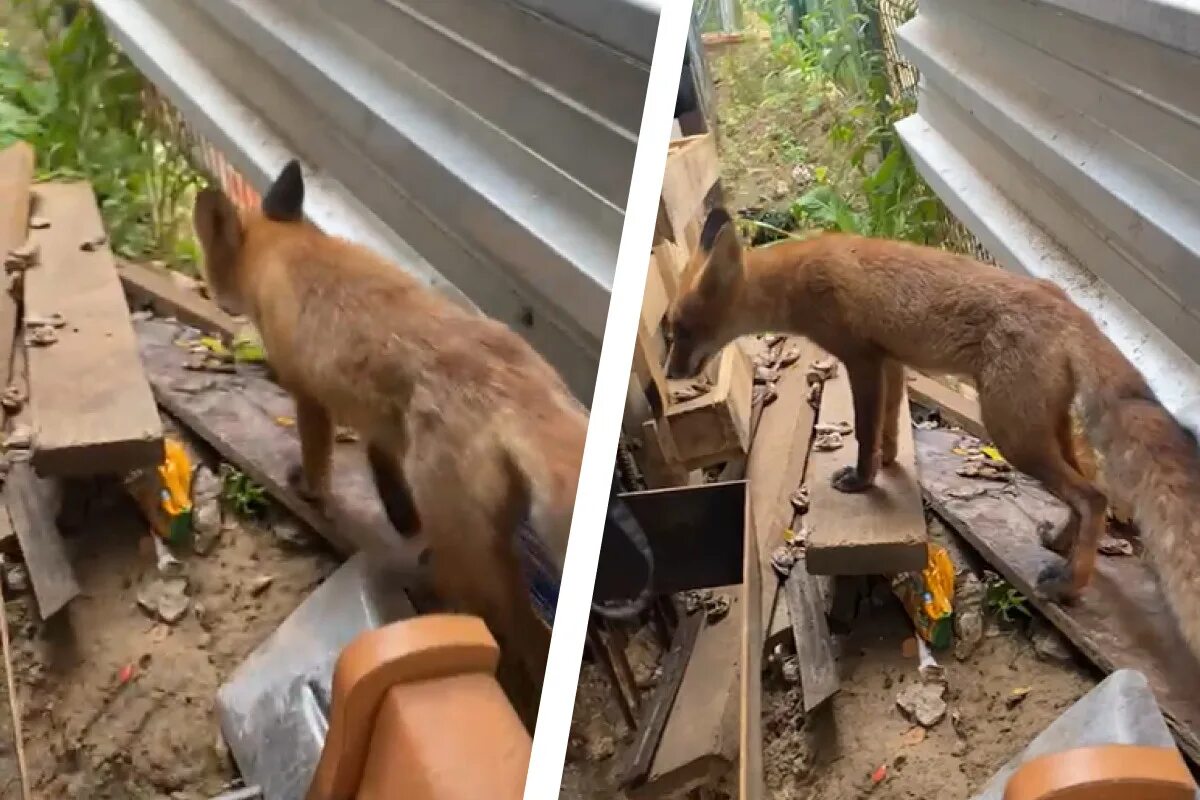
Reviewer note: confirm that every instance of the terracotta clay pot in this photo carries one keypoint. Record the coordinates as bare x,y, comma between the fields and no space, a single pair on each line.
417,714
1113,772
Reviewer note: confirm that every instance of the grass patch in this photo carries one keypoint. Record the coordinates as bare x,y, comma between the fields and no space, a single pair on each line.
808,143
68,90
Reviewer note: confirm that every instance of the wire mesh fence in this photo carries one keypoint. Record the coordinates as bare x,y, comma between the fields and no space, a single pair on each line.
904,79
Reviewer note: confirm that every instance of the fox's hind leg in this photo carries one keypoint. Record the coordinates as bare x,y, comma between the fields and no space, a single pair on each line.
1026,426
893,397
867,385
310,477
394,491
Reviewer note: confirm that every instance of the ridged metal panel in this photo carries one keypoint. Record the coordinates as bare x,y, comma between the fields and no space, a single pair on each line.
486,145
1066,135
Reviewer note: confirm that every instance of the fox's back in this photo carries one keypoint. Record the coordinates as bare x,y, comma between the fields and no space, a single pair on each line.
928,307
372,341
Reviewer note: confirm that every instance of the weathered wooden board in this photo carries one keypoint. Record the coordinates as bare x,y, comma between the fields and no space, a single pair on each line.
16,178
955,409
147,287
775,468
877,532
92,408
32,505
1121,622
238,416
692,170
751,784
700,741
657,711
814,647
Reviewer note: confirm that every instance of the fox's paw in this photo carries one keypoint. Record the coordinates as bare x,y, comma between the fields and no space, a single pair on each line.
1055,583
296,480
1056,540
849,481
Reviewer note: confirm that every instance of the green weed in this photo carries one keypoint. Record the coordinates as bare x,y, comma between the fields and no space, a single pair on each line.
241,494
1003,599
72,94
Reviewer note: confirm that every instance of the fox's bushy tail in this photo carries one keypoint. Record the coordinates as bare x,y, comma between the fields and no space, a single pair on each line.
1154,462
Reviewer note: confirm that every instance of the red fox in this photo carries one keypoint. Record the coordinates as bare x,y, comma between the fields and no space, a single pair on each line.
469,430
878,305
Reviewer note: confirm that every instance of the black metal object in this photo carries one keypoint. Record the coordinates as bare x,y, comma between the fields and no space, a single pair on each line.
621,524
696,535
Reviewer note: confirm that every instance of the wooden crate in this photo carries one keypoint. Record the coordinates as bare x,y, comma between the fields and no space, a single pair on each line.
715,427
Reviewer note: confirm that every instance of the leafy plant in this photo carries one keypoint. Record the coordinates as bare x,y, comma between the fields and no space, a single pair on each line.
241,494
1003,599
78,100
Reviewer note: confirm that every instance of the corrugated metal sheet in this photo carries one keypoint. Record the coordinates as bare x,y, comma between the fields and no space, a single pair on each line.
486,145
1066,135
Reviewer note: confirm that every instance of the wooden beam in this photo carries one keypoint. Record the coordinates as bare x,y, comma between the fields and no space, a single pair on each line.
775,468
93,409
147,287
16,178
877,532
954,408
1118,622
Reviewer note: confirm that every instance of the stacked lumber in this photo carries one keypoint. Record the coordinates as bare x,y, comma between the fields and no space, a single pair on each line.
692,425
77,402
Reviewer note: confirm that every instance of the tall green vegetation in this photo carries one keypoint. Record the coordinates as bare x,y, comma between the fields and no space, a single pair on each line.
68,90
813,108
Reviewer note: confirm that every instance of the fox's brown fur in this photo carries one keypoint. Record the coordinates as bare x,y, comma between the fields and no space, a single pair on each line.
877,305
464,420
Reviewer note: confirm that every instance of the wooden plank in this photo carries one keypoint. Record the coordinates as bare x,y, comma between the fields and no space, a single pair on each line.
93,410
877,532
660,463
692,169
1120,622
648,369
656,298
715,427
955,409
236,415
33,504
775,468
814,647
751,785
16,178
147,287
700,742
656,712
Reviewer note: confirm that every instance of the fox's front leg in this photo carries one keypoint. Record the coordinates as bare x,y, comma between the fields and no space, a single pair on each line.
866,384
310,478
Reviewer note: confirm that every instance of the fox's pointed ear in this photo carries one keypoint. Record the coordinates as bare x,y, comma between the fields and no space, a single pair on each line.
284,201
217,221
723,251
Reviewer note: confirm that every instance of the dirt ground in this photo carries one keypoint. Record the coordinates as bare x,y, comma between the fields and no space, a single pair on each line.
118,705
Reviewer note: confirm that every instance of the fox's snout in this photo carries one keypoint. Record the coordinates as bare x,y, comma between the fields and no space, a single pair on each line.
684,363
